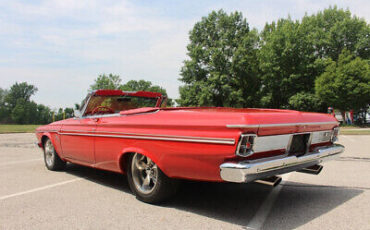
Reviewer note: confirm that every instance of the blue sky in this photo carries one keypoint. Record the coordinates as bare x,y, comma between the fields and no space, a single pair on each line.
61,46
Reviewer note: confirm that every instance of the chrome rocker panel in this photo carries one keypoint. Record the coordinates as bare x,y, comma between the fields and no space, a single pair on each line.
247,171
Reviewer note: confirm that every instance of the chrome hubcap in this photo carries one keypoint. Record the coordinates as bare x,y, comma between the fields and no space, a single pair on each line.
144,173
49,153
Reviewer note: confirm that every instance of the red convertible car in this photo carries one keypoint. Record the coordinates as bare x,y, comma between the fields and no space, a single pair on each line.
135,134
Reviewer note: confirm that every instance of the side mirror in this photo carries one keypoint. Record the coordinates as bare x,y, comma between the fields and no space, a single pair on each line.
77,114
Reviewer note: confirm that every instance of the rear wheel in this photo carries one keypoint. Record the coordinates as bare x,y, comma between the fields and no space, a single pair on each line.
51,158
147,181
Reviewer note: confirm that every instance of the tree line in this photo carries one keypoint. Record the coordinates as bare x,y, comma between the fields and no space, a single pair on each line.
309,64
112,81
17,107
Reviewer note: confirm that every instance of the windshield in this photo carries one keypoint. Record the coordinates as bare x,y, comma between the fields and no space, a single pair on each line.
115,104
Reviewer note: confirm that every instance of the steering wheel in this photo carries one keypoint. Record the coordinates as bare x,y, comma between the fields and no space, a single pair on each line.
103,108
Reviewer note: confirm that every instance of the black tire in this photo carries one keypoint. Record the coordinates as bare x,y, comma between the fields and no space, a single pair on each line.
162,190
51,158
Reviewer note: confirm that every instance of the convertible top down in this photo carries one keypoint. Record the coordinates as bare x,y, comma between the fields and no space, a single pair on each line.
135,134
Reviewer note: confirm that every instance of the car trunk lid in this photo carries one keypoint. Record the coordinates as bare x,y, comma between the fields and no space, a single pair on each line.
268,121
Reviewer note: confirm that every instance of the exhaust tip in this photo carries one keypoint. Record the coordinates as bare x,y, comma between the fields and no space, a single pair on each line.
314,170
271,181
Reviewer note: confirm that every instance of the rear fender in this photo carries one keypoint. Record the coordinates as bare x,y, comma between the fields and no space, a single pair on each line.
123,157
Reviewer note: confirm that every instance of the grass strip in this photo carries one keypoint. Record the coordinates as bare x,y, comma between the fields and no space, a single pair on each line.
18,128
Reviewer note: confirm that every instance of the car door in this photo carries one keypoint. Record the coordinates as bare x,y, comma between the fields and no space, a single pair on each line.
108,144
77,139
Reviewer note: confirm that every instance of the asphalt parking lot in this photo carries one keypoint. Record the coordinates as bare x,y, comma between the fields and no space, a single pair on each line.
32,197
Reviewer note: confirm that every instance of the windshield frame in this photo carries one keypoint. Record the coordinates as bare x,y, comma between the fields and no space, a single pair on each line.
161,100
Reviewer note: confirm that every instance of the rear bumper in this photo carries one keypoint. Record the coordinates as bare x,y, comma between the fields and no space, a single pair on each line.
247,171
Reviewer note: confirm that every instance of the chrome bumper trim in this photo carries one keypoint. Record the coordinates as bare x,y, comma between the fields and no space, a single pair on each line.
247,171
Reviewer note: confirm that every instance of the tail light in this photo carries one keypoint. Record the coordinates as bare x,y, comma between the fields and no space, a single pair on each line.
335,133
245,146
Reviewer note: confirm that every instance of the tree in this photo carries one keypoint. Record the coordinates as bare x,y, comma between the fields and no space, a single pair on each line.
4,112
69,112
44,114
333,30
293,53
18,106
25,112
143,85
106,82
345,84
18,114
306,102
3,93
286,60
222,69
19,91
59,115
31,112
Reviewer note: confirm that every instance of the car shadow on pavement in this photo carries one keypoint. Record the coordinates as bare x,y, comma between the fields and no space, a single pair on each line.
300,203
296,204
230,202
105,178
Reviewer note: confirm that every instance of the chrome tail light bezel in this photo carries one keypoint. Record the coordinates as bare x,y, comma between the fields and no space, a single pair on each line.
245,145
335,133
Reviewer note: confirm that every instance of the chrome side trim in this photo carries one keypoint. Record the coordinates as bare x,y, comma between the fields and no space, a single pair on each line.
101,115
150,135
281,125
153,137
47,131
247,171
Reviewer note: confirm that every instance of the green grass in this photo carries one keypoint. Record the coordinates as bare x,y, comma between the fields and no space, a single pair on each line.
354,132
353,127
18,128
